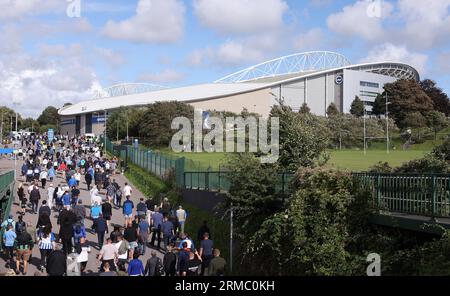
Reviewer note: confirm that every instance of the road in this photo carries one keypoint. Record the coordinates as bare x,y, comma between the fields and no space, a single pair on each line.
117,218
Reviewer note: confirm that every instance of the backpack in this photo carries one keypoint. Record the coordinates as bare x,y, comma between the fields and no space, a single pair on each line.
123,248
20,227
159,269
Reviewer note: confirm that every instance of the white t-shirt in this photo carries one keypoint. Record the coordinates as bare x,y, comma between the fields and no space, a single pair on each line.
181,215
127,190
43,175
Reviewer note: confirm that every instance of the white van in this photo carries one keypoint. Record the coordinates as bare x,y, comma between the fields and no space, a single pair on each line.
90,137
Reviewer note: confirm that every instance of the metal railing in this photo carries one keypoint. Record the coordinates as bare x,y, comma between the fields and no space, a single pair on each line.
6,198
219,181
415,194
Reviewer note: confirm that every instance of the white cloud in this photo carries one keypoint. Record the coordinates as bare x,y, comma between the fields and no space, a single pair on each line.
313,39
354,20
155,21
110,57
14,9
391,53
442,63
166,76
426,23
241,16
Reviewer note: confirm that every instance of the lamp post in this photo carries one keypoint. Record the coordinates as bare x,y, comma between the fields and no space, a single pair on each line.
387,124
364,120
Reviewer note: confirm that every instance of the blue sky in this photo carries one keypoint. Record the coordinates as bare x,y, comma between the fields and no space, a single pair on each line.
49,58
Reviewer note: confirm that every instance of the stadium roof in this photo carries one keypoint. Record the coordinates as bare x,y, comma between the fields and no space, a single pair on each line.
132,95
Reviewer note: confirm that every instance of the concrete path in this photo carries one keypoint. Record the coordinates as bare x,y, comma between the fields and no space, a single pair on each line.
117,218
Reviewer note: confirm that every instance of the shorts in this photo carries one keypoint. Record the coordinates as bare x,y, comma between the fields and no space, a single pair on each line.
133,245
108,218
128,216
25,254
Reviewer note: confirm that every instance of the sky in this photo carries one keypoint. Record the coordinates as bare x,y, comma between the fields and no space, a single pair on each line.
58,51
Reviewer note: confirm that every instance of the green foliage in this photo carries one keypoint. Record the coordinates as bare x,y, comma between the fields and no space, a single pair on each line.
427,165
304,108
332,110
381,168
314,234
49,116
155,125
303,138
118,119
442,151
252,196
437,121
414,120
406,97
357,108
32,125
440,99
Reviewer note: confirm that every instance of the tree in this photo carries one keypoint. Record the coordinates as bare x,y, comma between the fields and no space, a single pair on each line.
32,125
436,121
155,125
303,138
406,97
379,105
357,108
332,110
49,116
316,232
440,99
119,119
304,108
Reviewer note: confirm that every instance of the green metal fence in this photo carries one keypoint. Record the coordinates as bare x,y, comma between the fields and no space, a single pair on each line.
218,181
6,197
156,163
424,195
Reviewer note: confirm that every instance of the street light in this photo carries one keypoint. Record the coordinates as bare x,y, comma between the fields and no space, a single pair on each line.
387,124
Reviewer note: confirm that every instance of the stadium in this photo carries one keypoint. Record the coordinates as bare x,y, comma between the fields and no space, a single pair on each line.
316,78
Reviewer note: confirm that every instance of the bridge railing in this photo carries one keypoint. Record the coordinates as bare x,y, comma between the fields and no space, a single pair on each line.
415,194
218,181
6,199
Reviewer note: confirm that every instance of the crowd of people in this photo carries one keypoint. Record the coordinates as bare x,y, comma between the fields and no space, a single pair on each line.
68,163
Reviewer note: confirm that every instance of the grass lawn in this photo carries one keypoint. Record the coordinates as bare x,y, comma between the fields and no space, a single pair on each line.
199,161
355,160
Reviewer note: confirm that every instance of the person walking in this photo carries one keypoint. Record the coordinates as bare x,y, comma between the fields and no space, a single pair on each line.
157,218
88,179
217,264
107,271
24,245
101,228
108,254
144,231
80,211
45,209
46,244
130,234
95,214
83,256
181,215
152,264
170,262
43,177
128,207
9,238
107,213
168,232
35,196
50,193
66,219
22,199
57,262
136,268
206,251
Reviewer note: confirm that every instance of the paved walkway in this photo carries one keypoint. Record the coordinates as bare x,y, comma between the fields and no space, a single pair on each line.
117,218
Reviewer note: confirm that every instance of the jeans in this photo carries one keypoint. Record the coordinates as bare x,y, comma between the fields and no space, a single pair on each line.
34,206
166,240
181,226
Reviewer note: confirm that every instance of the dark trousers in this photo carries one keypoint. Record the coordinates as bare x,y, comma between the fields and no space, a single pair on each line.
43,182
101,239
67,245
88,186
112,266
10,257
156,233
205,263
44,256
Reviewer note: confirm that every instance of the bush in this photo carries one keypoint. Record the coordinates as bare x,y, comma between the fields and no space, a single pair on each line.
427,165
